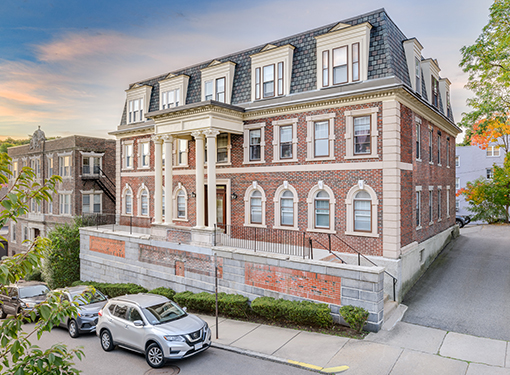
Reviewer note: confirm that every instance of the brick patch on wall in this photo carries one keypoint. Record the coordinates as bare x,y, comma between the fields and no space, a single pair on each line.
190,262
107,246
293,282
179,236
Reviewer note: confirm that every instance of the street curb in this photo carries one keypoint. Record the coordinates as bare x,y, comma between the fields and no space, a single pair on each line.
267,357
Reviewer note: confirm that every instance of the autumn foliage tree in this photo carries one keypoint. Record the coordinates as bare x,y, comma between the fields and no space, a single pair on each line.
491,133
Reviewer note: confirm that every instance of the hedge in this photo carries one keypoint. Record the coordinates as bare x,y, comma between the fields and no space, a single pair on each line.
162,291
114,290
233,305
298,312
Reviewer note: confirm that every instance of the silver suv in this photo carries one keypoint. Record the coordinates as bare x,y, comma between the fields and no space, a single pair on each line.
154,325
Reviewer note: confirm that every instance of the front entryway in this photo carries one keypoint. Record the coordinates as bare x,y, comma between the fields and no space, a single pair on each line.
221,206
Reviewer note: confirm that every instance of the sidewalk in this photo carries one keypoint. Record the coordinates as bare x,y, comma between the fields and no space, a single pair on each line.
406,349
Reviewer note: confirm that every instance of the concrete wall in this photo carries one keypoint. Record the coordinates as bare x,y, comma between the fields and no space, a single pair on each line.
120,257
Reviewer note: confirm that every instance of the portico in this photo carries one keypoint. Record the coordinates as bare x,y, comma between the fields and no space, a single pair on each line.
201,122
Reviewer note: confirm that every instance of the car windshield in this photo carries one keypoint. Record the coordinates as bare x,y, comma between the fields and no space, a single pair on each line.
33,291
86,298
163,312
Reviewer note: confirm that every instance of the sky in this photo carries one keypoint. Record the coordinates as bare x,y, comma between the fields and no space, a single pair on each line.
65,64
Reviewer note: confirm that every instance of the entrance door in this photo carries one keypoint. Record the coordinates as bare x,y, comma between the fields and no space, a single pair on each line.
221,206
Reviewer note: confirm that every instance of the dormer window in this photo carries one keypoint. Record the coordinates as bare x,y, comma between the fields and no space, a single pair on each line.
135,110
340,65
170,99
413,48
435,92
271,71
137,102
218,81
172,91
208,88
220,90
417,73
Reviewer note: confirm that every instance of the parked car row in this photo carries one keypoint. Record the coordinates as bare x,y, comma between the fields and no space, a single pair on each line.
145,323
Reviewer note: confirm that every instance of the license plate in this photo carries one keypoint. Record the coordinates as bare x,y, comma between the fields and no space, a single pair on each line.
199,345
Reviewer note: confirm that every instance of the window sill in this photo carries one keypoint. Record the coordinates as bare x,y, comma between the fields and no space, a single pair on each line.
126,215
439,220
285,161
439,165
314,230
431,162
418,159
371,156
418,228
362,234
180,219
321,159
286,228
180,166
255,225
127,169
431,223
254,162
144,167
447,166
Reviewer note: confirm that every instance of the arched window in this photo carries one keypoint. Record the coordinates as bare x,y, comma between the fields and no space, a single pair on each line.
144,203
362,211
128,203
181,204
287,208
256,207
321,205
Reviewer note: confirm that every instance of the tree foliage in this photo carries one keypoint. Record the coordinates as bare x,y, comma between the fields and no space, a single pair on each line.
487,62
17,355
61,265
491,132
9,142
489,200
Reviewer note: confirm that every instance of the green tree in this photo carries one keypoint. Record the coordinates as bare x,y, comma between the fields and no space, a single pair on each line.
61,265
487,62
17,355
9,142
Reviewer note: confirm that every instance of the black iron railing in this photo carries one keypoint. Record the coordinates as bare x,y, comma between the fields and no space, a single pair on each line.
97,219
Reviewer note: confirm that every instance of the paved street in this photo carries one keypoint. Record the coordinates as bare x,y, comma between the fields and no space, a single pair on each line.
467,289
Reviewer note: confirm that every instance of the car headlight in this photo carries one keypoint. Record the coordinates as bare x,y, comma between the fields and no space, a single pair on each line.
174,338
86,315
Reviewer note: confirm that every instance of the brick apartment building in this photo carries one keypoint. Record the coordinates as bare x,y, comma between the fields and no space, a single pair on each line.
345,130
84,163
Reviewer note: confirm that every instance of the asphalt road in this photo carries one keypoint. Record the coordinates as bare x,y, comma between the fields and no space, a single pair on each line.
124,362
467,288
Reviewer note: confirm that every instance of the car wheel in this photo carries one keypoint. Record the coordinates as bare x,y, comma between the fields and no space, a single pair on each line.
107,341
72,327
3,314
154,356
459,222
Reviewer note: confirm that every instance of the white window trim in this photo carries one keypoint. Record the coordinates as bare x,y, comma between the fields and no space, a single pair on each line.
493,149
94,155
420,189
310,138
311,208
430,205
276,140
229,151
247,205
246,143
457,158
439,204
35,159
61,157
447,201
92,192
124,144
457,179
12,229
172,82
277,209
125,190
68,193
138,92
139,200
217,70
141,142
18,169
431,145
176,191
418,124
175,151
349,209
349,133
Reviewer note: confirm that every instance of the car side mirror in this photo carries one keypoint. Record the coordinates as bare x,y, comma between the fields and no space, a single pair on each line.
138,323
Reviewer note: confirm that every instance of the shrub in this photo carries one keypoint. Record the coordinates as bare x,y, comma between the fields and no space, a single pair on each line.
114,290
298,312
162,291
356,317
34,276
61,265
233,305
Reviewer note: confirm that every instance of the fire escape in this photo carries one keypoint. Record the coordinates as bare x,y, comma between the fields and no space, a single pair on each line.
101,180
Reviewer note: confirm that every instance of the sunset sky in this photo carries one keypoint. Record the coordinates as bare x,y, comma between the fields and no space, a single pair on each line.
64,64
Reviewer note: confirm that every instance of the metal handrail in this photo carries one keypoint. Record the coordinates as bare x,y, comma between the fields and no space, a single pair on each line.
332,253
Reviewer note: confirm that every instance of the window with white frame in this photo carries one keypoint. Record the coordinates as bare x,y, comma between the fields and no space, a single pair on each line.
321,209
36,167
431,200
361,133
143,201
25,233
217,81
418,140
171,98
431,135
91,163
361,211
439,149
457,183
91,203
135,110
181,152
457,205
222,148
208,88
418,209
128,155
144,151
342,54
448,201
65,204
285,140
127,206
64,163
255,206
220,90
439,204
254,143
271,71
13,232
15,169
320,137
417,74
50,166
435,92
447,152
489,172
493,151
285,207
180,208
457,161
50,205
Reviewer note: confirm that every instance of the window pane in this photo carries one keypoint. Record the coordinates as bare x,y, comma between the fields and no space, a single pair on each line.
340,65
339,74
255,144
325,68
287,210
256,210
220,90
340,56
181,205
321,138
321,129
362,135
208,87
268,80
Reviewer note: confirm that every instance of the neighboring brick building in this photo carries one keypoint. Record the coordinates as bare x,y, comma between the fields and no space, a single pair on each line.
84,163
471,162
344,130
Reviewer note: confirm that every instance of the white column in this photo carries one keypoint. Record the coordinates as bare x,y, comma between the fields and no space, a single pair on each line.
199,178
211,175
158,179
169,141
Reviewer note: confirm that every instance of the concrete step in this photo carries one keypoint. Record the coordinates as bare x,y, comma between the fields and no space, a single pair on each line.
393,313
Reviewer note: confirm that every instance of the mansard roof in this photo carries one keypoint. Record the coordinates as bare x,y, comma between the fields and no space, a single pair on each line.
386,59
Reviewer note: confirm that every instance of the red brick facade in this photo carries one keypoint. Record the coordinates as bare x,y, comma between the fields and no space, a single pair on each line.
107,246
